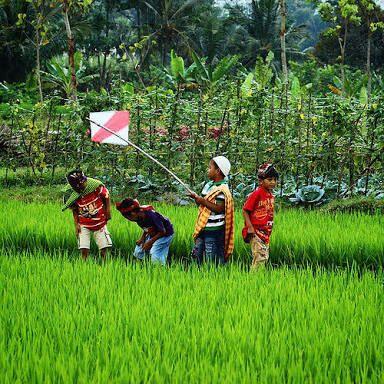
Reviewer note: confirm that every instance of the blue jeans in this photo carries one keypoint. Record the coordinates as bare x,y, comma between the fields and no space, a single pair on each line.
158,252
209,246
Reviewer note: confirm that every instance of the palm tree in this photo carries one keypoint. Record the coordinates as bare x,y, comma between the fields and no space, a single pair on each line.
256,31
209,33
59,74
169,23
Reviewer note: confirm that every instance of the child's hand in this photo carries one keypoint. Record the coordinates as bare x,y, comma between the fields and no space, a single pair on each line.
196,197
147,246
139,242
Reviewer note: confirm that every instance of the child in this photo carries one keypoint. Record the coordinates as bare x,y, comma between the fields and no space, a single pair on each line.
258,215
214,228
90,204
157,230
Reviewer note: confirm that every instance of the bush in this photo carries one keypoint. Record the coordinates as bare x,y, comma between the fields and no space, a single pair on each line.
358,204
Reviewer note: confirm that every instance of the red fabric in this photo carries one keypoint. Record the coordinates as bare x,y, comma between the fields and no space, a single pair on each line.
259,205
118,121
91,209
133,206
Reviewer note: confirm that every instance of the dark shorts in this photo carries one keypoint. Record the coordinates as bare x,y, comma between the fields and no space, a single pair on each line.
209,246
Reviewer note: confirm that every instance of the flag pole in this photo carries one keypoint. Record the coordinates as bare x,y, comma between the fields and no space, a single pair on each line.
144,153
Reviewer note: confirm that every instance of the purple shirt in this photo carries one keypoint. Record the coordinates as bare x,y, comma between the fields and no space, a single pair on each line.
154,222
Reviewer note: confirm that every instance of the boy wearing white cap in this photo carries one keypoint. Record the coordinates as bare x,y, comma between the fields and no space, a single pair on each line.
214,228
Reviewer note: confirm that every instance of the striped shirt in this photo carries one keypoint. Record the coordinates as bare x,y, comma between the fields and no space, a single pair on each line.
216,221
91,209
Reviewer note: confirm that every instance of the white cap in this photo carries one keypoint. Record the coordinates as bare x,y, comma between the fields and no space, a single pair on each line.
223,163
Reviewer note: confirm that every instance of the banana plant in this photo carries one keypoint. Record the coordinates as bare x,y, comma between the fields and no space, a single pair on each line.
59,74
261,76
353,88
207,75
178,75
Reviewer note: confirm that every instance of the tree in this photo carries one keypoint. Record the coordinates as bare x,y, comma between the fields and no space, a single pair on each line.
114,26
16,53
343,14
60,76
209,32
369,13
68,7
207,75
170,22
255,29
43,12
283,18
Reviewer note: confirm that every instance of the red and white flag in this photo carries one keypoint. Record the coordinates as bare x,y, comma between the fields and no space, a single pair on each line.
115,121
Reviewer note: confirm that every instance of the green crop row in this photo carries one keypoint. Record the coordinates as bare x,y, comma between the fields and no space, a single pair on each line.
299,237
66,321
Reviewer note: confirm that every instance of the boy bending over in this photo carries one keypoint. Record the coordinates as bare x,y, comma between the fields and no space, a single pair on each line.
91,208
157,230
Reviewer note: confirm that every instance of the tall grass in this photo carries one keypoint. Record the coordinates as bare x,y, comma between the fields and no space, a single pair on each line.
298,237
66,321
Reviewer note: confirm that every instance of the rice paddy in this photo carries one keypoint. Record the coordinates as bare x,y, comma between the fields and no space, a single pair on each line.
299,237
68,321
306,320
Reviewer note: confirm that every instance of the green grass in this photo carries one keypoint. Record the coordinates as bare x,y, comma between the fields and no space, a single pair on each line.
361,204
66,321
24,177
299,237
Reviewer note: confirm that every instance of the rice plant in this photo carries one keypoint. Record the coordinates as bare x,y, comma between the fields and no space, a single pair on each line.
64,320
299,237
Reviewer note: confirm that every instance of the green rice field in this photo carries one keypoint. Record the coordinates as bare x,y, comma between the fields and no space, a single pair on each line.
299,237
66,321
314,316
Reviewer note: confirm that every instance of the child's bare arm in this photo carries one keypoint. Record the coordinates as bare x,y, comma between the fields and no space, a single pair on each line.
248,222
76,220
148,244
217,208
107,205
142,238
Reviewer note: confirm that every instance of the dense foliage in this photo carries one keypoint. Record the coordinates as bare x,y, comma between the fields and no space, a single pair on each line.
167,62
143,32
314,138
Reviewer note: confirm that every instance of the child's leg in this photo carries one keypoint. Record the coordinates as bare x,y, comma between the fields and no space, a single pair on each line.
214,246
84,253
160,249
260,252
84,242
199,249
103,253
103,240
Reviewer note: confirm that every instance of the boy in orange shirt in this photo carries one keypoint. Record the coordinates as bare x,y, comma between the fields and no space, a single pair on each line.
258,215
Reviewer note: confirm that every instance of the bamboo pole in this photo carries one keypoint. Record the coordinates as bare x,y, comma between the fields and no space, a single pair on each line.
145,154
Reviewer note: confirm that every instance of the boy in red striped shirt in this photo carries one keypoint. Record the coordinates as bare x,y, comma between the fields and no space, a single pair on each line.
258,215
90,204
